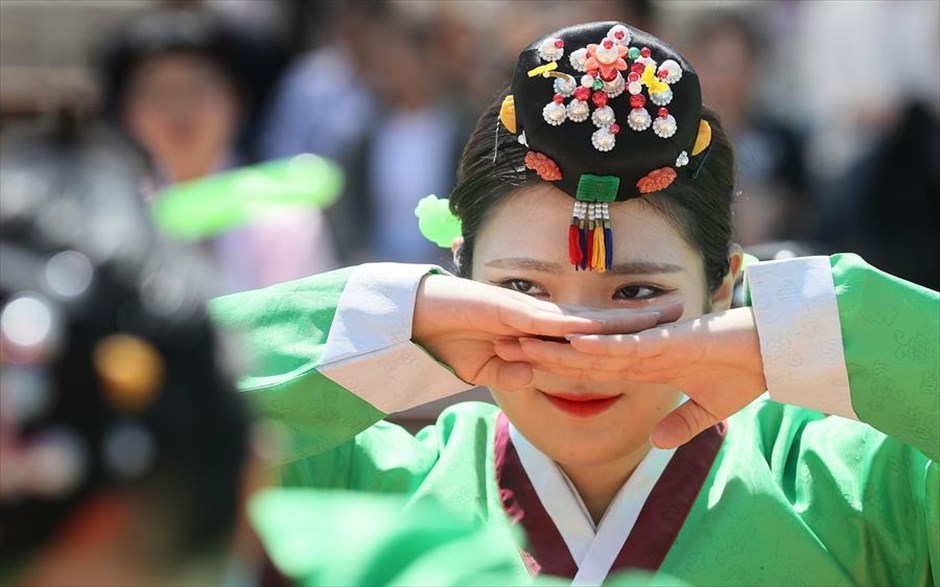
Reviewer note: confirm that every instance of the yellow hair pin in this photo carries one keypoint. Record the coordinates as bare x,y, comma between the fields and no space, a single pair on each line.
543,69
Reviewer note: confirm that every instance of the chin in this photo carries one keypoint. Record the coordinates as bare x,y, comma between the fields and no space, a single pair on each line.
593,454
585,442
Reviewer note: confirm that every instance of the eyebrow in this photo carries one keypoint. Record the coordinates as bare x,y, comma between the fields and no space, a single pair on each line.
629,268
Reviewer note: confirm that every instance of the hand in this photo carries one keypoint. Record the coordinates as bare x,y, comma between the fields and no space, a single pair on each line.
714,359
460,322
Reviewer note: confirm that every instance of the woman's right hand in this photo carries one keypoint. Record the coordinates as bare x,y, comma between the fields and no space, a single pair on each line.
459,321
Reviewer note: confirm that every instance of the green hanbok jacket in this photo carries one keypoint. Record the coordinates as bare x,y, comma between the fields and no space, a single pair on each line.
831,480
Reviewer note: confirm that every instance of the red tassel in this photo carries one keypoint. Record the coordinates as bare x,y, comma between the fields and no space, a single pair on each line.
574,246
590,247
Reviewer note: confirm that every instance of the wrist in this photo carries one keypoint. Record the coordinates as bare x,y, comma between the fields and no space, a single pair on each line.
746,325
426,315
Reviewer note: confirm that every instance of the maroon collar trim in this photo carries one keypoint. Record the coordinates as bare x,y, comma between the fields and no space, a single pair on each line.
656,528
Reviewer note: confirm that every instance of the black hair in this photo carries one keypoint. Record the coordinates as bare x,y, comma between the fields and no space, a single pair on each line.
700,207
75,192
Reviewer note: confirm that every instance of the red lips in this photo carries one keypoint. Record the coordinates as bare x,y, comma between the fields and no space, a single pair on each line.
582,405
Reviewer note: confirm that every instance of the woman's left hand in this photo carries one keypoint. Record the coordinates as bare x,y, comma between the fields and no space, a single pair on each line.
715,359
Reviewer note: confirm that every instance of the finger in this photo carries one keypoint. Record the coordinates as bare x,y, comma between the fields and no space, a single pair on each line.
510,351
546,319
643,345
503,375
563,355
529,319
624,321
682,425
670,312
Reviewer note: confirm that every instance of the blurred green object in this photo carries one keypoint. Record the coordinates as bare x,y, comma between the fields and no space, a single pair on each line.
748,259
206,207
436,222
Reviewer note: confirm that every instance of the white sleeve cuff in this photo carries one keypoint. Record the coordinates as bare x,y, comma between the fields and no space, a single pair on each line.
369,349
794,304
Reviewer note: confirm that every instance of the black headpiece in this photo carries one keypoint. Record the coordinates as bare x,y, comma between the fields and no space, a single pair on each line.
608,113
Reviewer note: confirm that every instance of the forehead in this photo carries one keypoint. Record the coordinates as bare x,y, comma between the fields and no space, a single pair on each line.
533,223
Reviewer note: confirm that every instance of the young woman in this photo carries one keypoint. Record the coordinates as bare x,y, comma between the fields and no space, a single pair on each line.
591,450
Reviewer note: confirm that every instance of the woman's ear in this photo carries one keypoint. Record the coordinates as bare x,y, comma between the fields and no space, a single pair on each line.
455,249
721,299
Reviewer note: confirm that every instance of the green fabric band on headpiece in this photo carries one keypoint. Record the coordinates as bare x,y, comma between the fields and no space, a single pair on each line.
598,188
436,222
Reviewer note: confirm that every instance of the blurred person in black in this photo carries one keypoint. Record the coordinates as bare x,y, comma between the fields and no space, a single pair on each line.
773,202
175,81
123,441
886,205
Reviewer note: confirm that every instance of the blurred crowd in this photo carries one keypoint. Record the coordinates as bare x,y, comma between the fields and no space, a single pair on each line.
833,108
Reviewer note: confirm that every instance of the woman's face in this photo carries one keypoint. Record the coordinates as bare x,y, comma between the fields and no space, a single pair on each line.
181,107
523,246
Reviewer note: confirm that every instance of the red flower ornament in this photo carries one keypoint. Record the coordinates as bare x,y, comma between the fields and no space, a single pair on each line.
656,180
543,165
608,57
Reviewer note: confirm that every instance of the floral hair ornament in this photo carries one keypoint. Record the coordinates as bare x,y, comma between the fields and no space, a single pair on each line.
436,222
644,104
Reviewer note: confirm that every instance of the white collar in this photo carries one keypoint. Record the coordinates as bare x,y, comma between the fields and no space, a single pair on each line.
594,550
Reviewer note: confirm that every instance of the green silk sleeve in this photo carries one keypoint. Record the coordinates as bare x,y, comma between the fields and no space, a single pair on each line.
283,330
891,339
874,490
329,356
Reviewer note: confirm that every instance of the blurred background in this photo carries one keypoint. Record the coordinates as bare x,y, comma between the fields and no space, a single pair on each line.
834,109
111,110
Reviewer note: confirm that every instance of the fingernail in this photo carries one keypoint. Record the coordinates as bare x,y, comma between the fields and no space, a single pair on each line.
661,440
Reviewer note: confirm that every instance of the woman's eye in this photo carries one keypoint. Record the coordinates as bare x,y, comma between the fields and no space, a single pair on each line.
638,292
524,286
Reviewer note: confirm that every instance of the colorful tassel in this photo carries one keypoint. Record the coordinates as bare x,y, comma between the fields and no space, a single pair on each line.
590,247
590,239
582,242
574,248
608,246
608,237
600,254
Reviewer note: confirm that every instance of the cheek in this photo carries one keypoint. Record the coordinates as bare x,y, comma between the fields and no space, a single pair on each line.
695,303
217,119
147,127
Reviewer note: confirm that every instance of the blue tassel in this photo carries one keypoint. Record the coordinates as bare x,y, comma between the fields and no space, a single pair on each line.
609,247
